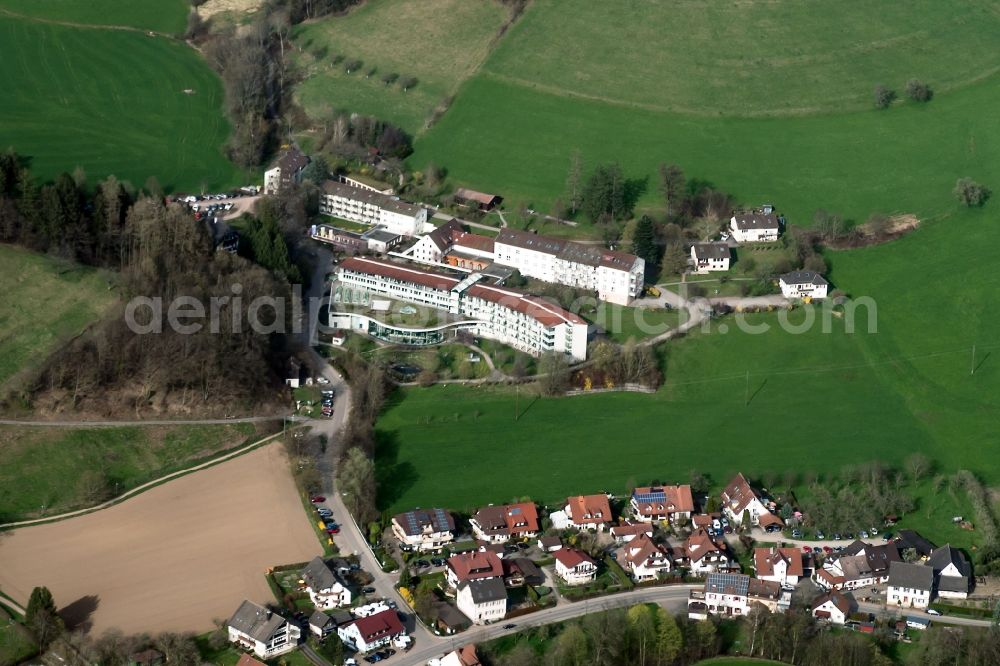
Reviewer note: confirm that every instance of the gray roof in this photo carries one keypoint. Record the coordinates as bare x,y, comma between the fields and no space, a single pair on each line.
320,619
756,220
485,589
945,555
342,617
590,255
910,539
803,277
256,621
368,196
711,250
907,574
318,575
381,235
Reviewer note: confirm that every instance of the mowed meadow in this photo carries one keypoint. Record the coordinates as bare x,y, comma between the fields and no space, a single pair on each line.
818,401
85,85
437,42
767,101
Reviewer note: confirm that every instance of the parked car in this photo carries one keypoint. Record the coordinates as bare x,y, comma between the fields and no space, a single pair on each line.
368,590
817,550
863,534
887,536
772,528
807,550
836,536
509,625
355,566
796,534
389,652
318,499
873,531
325,513
820,535
437,561
827,550
931,611
333,530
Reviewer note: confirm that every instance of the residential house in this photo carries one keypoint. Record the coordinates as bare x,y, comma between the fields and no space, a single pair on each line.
644,559
704,555
662,503
754,227
431,247
463,656
708,257
627,531
474,199
247,660
907,539
833,606
859,565
266,633
424,529
952,572
482,600
738,497
781,565
321,624
910,585
372,632
472,565
286,171
498,524
803,284
520,571
589,512
549,544
574,566
325,589
732,594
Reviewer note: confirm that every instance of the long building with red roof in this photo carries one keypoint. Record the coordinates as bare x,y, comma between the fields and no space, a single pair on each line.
525,322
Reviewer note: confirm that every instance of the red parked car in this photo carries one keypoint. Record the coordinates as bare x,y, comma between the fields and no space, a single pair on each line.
319,499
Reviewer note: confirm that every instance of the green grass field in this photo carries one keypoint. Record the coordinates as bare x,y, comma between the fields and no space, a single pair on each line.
15,643
45,302
113,102
167,16
42,466
766,101
439,42
818,401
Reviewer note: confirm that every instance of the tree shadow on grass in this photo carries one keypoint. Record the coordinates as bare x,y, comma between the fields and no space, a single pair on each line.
392,477
77,615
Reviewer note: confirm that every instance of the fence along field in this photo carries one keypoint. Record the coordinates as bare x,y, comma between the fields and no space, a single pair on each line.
778,112
113,102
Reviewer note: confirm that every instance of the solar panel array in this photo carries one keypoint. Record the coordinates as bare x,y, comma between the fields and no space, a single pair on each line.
657,495
411,523
727,583
441,520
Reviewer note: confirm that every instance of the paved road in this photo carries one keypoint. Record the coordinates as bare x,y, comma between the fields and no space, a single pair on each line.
674,598
143,422
939,619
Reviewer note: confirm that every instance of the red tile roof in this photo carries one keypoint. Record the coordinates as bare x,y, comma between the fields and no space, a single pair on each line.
668,499
247,660
641,549
738,494
475,241
764,560
699,545
631,529
589,509
474,565
838,598
379,625
571,557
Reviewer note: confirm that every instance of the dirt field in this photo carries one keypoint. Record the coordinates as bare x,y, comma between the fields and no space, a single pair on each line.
173,558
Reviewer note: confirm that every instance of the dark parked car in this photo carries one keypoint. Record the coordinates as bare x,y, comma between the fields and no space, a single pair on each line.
509,626
368,590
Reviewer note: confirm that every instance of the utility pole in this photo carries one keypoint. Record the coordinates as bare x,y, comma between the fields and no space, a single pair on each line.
972,367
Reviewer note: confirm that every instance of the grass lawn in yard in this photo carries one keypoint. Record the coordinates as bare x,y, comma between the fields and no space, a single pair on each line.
625,323
45,302
438,42
44,468
112,101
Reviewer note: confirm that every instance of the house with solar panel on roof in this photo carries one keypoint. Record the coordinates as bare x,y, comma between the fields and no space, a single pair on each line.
733,595
662,503
499,524
424,529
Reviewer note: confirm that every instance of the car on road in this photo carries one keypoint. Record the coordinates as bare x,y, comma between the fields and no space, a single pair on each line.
368,590
322,380
333,530
931,611
326,513
318,499
389,652
373,658
509,625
